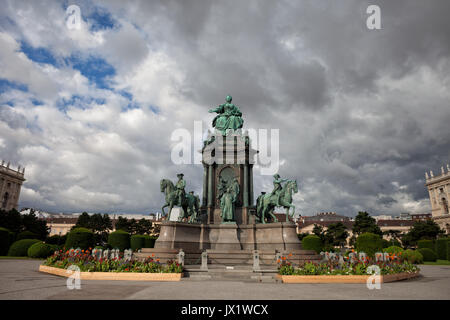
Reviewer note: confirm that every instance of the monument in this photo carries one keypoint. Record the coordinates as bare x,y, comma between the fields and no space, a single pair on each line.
227,223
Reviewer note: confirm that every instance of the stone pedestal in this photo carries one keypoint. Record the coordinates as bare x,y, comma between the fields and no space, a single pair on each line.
227,238
279,236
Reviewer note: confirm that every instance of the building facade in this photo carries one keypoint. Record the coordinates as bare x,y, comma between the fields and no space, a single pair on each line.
10,184
439,191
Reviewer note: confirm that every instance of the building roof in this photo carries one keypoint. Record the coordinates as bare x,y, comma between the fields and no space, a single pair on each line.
347,223
395,223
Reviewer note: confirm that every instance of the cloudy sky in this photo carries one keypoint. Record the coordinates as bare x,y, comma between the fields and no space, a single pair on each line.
362,113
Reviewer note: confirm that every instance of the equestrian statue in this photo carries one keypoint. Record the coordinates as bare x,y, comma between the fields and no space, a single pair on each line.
281,196
175,195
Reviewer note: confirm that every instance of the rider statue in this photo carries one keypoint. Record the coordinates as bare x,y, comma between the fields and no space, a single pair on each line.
181,184
277,187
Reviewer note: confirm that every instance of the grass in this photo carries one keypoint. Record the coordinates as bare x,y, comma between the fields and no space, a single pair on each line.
438,263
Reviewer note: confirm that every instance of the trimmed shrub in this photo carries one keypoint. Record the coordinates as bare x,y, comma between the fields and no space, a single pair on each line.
441,248
428,254
56,239
41,250
412,256
369,243
119,239
80,238
27,235
395,243
137,242
4,241
394,249
425,244
150,241
448,249
386,244
312,242
20,247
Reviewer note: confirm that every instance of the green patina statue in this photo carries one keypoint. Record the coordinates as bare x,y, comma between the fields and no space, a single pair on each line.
229,117
280,196
227,205
176,196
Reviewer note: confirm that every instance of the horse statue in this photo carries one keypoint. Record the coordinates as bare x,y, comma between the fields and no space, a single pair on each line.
190,203
266,203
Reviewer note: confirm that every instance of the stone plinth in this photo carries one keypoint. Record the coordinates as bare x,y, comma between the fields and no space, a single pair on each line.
227,237
279,236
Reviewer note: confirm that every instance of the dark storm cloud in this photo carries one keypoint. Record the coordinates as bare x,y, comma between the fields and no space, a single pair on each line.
362,113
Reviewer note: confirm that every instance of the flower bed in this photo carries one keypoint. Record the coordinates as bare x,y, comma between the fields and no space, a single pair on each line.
107,269
355,271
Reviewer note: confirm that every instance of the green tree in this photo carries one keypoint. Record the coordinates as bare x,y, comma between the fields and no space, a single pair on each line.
365,223
336,234
144,226
426,230
83,221
11,220
395,235
123,224
16,222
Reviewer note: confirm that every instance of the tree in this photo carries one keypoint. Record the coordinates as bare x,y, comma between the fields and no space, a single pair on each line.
393,234
11,220
427,230
318,231
144,226
336,234
83,220
16,222
365,223
134,226
98,223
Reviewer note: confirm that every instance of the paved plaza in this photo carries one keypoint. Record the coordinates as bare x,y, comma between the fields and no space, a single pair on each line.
20,279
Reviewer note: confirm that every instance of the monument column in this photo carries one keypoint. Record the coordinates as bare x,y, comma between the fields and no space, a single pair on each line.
251,185
205,186
245,194
210,195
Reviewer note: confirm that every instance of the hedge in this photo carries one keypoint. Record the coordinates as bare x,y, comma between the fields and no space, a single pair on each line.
412,256
119,239
441,248
41,250
386,243
425,244
150,241
369,243
448,250
137,242
80,238
4,241
394,249
27,235
428,254
312,242
20,247
56,239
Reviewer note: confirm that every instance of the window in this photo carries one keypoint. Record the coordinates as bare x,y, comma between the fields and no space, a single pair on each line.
445,205
5,200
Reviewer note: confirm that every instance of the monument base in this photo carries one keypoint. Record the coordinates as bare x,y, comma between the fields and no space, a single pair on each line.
279,236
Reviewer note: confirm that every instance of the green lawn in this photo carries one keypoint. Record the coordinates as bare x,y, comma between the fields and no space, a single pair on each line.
438,263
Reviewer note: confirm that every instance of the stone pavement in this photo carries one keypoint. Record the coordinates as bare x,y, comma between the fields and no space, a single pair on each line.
19,279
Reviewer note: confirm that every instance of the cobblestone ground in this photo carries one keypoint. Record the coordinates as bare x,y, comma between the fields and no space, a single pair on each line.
20,279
